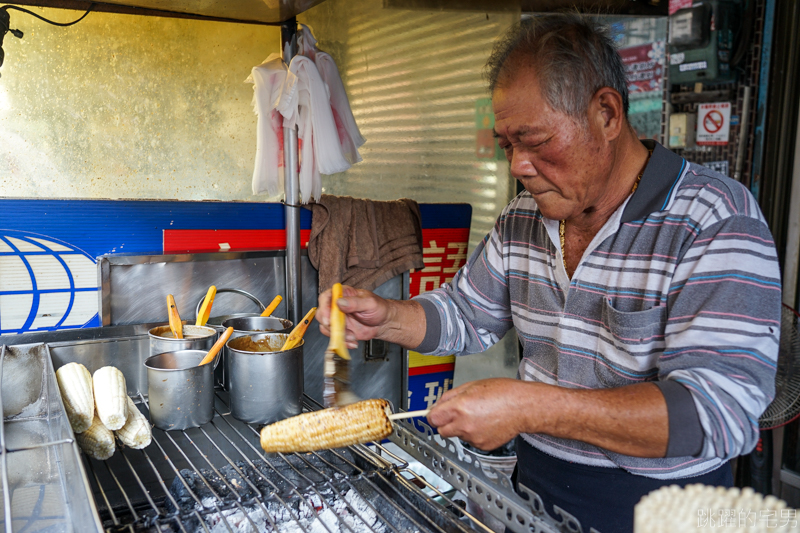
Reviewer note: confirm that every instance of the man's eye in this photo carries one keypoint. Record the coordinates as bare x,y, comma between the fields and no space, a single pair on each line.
537,144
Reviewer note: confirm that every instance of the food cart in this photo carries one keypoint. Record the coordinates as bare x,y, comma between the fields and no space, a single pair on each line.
215,478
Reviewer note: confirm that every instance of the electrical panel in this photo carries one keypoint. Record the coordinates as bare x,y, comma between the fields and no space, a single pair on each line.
682,130
702,42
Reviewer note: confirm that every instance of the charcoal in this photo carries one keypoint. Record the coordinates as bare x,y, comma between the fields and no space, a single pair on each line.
318,506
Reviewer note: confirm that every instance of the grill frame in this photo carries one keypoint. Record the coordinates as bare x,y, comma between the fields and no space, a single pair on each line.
123,498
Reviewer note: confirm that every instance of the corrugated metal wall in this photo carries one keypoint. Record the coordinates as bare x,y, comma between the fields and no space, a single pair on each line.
413,78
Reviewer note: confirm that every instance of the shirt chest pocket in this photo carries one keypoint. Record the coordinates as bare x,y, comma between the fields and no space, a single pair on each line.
632,343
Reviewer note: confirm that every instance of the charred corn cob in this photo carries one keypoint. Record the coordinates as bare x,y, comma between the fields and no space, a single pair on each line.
136,432
75,384
97,441
357,423
110,397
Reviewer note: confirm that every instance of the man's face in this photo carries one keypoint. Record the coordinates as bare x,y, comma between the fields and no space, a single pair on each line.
564,164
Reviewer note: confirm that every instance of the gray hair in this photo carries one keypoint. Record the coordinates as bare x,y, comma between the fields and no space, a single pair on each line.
573,57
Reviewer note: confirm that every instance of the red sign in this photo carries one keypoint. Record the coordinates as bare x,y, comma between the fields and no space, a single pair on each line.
444,252
644,66
185,241
675,5
713,121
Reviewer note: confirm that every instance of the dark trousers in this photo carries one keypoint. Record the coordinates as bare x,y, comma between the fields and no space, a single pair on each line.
599,497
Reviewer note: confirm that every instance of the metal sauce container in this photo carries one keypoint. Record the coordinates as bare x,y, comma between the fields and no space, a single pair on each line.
181,394
194,338
265,386
245,326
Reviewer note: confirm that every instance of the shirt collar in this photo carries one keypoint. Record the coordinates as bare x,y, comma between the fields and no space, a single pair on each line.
659,181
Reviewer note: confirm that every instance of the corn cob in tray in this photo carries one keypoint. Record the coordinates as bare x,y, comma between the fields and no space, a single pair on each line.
357,423
136,432
95,404
110,392
75,383
97,441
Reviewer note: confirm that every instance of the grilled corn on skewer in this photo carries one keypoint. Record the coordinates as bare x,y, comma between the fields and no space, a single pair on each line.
110,397
364,421
136,432
75,384
97,441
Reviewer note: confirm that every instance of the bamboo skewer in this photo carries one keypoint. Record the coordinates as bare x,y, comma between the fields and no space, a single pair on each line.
174,318
409,414
271,307
205,309
299,330
212,353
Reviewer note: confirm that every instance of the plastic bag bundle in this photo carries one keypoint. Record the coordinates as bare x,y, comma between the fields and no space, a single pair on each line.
268,79
309,95
307,105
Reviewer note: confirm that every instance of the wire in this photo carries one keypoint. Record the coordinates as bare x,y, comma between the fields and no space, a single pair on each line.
63,24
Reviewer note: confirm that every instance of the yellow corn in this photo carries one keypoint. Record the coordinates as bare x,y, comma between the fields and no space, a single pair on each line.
357,423
110,397
75,384
97,441
136,432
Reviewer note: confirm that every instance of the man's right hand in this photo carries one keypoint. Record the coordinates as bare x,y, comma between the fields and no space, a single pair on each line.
365,313
368,316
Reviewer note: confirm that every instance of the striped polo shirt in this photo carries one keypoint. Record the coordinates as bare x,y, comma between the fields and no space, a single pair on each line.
680,287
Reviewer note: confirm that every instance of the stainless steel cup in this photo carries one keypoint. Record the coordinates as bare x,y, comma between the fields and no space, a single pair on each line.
249,325
194,338
264,386
181,394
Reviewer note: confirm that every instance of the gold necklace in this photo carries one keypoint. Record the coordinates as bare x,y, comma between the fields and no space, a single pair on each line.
562,226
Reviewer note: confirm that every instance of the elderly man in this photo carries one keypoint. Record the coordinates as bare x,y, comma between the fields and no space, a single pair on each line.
645,291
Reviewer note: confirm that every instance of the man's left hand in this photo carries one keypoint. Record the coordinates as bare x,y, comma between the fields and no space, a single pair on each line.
631,420
483,413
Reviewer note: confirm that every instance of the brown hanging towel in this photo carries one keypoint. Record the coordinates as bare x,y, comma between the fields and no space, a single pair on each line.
363,243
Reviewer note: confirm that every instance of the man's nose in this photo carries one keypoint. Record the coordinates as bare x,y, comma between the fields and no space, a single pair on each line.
521,165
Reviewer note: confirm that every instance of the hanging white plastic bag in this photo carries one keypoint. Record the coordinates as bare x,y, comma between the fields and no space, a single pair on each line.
307,104
350,137
268,79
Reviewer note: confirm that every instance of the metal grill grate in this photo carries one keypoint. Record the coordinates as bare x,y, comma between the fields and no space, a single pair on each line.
217,479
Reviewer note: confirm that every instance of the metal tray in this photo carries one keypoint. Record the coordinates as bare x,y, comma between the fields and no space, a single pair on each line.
44,485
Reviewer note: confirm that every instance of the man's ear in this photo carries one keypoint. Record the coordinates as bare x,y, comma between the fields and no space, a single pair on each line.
606,112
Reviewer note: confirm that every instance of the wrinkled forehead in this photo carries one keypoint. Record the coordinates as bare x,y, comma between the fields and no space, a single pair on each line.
520,94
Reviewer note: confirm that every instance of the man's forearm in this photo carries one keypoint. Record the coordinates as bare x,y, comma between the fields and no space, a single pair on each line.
630,420
406,324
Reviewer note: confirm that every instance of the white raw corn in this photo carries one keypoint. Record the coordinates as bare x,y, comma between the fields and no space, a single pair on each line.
136,432
336,427
110,397
97,441
75,384
701,507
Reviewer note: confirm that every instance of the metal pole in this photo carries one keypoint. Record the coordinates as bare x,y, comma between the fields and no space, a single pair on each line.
291,188
791,263
744,125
